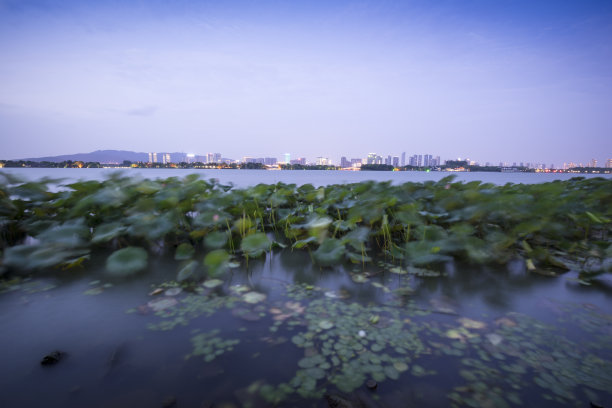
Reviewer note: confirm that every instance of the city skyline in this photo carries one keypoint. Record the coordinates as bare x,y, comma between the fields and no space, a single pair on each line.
493,81
400,160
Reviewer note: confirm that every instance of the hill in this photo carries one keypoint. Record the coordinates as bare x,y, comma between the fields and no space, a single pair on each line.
104,156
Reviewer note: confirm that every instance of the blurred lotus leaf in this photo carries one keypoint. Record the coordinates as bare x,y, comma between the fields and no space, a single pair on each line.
217,262
255,245
184,251
127,261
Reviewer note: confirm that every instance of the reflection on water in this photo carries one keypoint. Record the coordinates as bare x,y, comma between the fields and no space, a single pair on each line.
287,332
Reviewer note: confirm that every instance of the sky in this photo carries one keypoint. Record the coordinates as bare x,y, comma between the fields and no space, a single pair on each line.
493,81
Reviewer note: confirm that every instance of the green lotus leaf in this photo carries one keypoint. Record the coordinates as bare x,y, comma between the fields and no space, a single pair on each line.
217,261
184,251
107,232
127,261
330,252
187,271
216,239
255,245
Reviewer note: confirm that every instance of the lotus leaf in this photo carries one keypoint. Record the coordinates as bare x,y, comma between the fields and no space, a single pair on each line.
255,245
127,261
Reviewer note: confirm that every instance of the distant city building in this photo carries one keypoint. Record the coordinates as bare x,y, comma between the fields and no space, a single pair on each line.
270,161
300,160
593,163
344,162
287,158
152,157
373,158
323,161
166,158
356,162
609,164
403,159
395,161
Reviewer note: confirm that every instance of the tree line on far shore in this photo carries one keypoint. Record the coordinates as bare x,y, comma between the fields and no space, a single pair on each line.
450,164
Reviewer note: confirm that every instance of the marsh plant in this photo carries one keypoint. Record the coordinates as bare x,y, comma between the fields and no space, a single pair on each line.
210,227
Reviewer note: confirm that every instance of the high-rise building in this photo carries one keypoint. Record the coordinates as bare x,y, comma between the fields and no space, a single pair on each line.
270,161
609,164
152,157
428,158
299,160
420,160
356,162
403,159
344,162
395,161
593,163
166,158
323,161
287,158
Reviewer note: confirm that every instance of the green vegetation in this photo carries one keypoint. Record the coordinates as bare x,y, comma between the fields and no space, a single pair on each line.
47,164
307,167
209,226
377,167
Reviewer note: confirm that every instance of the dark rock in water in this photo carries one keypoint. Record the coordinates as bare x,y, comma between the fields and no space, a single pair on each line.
371,384
52,358
334,401
169,402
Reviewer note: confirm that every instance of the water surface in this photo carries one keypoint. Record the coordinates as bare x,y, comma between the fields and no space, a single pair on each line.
474,337
246,178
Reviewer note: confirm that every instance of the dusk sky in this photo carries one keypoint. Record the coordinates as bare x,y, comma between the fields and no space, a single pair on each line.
494,80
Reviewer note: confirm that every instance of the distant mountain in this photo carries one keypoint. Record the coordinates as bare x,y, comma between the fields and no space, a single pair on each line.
107,156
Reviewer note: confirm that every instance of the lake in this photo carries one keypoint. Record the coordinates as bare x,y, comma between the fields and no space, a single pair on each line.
284,330
245,178
281,330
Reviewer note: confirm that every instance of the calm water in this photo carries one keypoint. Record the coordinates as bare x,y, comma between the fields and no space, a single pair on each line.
282,330
478,336
245,178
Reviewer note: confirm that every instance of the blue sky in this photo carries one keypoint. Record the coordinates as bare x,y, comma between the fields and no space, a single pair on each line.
524,81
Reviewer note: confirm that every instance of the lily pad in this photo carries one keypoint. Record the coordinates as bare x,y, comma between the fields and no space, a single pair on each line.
359,278
162,304
212,283
326,324
172,291
471,324
253,297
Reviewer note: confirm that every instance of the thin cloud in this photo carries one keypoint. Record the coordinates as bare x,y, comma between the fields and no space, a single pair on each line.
143,111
